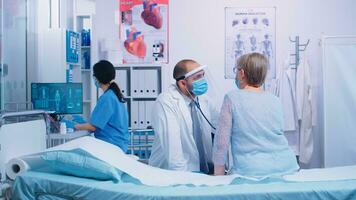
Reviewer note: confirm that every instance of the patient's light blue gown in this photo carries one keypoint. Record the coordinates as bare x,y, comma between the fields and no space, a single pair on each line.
252,122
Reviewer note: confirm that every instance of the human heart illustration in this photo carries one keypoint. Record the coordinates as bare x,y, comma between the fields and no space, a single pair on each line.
151,14
135,44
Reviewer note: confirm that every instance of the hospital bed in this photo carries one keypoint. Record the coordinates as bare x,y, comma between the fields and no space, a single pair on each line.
139,181
16,130
140,141
47,185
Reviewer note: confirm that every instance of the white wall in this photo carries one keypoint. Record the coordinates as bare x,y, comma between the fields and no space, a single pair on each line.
197,32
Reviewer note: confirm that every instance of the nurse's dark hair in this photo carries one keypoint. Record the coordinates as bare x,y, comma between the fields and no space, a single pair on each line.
255,67
105,73
180,69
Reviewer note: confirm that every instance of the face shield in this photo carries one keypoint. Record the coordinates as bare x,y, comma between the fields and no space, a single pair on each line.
196,83
200,82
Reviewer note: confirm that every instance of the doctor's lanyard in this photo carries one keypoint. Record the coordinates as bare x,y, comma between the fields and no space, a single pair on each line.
206,119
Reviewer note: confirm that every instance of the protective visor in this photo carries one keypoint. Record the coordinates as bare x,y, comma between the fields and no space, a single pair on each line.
202,67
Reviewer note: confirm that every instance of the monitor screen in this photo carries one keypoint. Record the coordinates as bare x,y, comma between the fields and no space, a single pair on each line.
62,98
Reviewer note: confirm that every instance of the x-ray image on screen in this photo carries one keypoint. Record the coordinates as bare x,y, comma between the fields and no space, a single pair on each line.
62,98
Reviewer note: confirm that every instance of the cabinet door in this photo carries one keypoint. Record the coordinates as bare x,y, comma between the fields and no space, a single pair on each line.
339,101
134,114
135,87
121,80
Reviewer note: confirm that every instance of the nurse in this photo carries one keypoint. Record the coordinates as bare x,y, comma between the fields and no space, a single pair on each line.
251,121
109,119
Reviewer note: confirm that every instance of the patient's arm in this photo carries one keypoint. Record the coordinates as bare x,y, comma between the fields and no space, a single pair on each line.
85,126
222,137
219,170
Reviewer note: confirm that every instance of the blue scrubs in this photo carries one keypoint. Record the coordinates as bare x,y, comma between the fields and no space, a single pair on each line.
111,120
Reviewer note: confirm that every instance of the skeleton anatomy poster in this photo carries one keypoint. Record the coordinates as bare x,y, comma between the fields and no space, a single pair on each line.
144,31
250,30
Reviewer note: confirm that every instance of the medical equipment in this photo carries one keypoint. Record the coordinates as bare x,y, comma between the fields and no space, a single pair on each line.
206,119
63,128
62,98
187,75
140,141
21,133
34,185
196,102
140,182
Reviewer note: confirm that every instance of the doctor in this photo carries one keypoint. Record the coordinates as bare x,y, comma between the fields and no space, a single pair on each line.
109,119
183,122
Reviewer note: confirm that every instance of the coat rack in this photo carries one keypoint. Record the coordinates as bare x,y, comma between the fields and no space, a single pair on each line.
298,48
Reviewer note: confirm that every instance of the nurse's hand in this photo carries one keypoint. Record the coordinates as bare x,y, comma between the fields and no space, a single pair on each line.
85,126
77,127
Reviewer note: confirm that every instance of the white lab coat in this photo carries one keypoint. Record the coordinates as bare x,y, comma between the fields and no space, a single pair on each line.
286,93
304,100
174,147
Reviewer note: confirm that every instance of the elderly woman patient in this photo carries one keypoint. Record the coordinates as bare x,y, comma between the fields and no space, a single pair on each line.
251,121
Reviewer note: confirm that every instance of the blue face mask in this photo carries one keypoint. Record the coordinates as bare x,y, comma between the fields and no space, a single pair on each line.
237,83
96,83
200,87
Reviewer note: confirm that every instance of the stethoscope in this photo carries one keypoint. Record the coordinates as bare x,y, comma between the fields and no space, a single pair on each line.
191,97
206,119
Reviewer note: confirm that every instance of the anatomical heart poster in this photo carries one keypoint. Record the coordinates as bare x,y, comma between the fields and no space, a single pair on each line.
250,30
144,31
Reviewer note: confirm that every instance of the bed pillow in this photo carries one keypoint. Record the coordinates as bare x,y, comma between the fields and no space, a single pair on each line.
81,164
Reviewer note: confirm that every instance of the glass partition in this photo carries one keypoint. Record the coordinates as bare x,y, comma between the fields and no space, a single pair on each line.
13,15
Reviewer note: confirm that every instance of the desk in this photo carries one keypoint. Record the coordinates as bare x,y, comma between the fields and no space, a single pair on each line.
54,139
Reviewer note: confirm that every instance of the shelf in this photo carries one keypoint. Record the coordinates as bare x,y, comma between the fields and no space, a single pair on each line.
117,67
85,47
74,64
144,98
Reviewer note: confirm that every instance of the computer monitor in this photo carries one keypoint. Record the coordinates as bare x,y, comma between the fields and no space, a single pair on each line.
62,98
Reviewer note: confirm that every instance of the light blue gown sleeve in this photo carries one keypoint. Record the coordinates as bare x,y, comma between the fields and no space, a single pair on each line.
101,114
223,135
